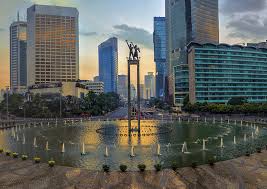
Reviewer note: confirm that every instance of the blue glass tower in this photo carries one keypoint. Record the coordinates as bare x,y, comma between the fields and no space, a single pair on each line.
159,39
108,64
18,57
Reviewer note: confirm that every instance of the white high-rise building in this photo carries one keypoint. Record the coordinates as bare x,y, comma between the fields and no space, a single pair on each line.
149,85
18,58
53,44
123,86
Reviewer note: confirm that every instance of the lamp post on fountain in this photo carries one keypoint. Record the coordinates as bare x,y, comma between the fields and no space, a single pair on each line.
7,112
26,99
60,103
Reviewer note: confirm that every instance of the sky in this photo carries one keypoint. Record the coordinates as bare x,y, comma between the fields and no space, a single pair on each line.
241,21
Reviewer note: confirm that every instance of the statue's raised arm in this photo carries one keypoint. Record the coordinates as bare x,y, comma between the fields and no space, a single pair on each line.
131,46
127,43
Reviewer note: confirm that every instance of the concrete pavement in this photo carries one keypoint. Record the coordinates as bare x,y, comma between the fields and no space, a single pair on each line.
241,173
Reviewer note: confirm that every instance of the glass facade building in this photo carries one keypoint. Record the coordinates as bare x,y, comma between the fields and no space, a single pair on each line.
219,72
186,21
204,26
159,39
53,44
18,55
108,64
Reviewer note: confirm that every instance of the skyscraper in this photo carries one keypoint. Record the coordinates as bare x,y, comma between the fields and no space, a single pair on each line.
108,64
142,91
122,86
133,92
149,85
186,21
18,56
159,39
53,44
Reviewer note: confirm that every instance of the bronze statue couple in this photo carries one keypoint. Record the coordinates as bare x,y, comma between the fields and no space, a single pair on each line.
134,51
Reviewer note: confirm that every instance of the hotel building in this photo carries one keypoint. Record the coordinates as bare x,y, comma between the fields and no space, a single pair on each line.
53,44
219,72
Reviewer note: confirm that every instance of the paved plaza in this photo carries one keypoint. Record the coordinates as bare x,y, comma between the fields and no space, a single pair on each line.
241,173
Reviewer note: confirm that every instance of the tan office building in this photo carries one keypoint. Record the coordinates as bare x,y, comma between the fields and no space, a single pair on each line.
53,44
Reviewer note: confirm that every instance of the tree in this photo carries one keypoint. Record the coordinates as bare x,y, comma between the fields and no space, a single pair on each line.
48,105
237,101
186,101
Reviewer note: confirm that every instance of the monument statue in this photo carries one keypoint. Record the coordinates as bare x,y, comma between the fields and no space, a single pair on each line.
134,51
134,60
131,46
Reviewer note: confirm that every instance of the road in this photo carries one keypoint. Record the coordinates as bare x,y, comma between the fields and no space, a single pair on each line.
146,113
120,113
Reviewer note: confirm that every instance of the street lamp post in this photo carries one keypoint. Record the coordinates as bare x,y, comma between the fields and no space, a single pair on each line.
60,104
24,109
7,91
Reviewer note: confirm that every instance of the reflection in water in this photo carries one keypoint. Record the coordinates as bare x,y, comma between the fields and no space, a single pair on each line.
80,145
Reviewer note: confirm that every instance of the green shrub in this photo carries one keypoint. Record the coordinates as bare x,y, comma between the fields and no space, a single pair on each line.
194,165
15,155
247,153
158,167
174,166
123,168
105,168
1,151
211,162
24,157
258,149
8,153
37,160
142,167
51,163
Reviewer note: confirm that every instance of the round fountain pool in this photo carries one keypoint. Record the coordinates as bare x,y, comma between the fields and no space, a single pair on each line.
92,144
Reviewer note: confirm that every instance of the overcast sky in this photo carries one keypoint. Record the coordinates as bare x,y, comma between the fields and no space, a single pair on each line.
240,21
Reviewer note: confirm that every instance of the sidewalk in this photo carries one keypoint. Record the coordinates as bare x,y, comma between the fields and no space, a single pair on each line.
241,173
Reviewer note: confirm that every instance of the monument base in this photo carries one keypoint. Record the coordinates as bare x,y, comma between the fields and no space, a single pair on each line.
134,62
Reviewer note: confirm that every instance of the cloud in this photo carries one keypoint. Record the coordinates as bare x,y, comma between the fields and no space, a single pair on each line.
87,34
137,35
241,6
2,29
248,26
237,35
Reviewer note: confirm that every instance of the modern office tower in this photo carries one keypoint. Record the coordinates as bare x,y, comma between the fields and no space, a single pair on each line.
186,21
159,39
133,92
142,91
149,85
53,44
219,72
123,86
108,64
18,54
96,79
